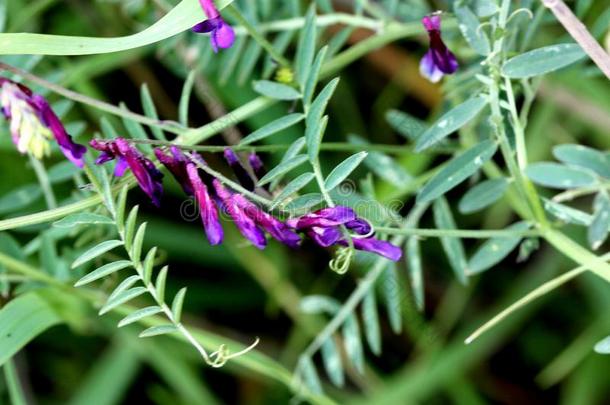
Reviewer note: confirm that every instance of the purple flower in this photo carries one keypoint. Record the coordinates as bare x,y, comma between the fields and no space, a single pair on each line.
323,226
145,172
34,124
276,228
240,172
207,208
176,164
439,60
221,33
257,165
244,223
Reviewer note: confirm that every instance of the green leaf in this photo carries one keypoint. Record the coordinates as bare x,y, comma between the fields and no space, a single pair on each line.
148,105
370,322
312,79
406,124
22,319
451,122
353,342
120,208
62,171
82,218
148,264
495,250
158,330
96,251
181,18
160,284
332,362
293,187
282,169
603,346
583,157
303,203
314,136
383,165
139,315
185,98
318,304
273,128
567,214
482,195
177,304
543,60
443,219
556,175
343,170
122,298
314,123
416,274
103,271
469,24
306,47
130,227
457,170
248,62
392,294
124,286
293,150
600,226
20,198
310,375
276,90
138,240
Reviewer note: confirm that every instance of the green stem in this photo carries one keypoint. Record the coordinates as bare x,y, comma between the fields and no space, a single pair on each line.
537,293
255,34
45,184
458,233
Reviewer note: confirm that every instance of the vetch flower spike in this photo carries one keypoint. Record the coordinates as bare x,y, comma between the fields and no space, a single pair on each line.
323,226
148,176
33,123
221,34
186,172
439,60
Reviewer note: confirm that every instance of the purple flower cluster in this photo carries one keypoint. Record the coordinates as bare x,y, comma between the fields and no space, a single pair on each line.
439,60
33,123
221,34
324,226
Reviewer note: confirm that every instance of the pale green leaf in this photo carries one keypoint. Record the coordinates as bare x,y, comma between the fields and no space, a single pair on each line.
276,90
103,271
96,251
273,128
543,60
451,122
343,170
482,195
139,315
457,170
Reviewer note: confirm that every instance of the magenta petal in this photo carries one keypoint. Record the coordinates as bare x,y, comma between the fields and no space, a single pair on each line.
359,226
176,164
207,208
257,165
145,172
244,223
71,150
224,36
121,166
432,22
326,217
